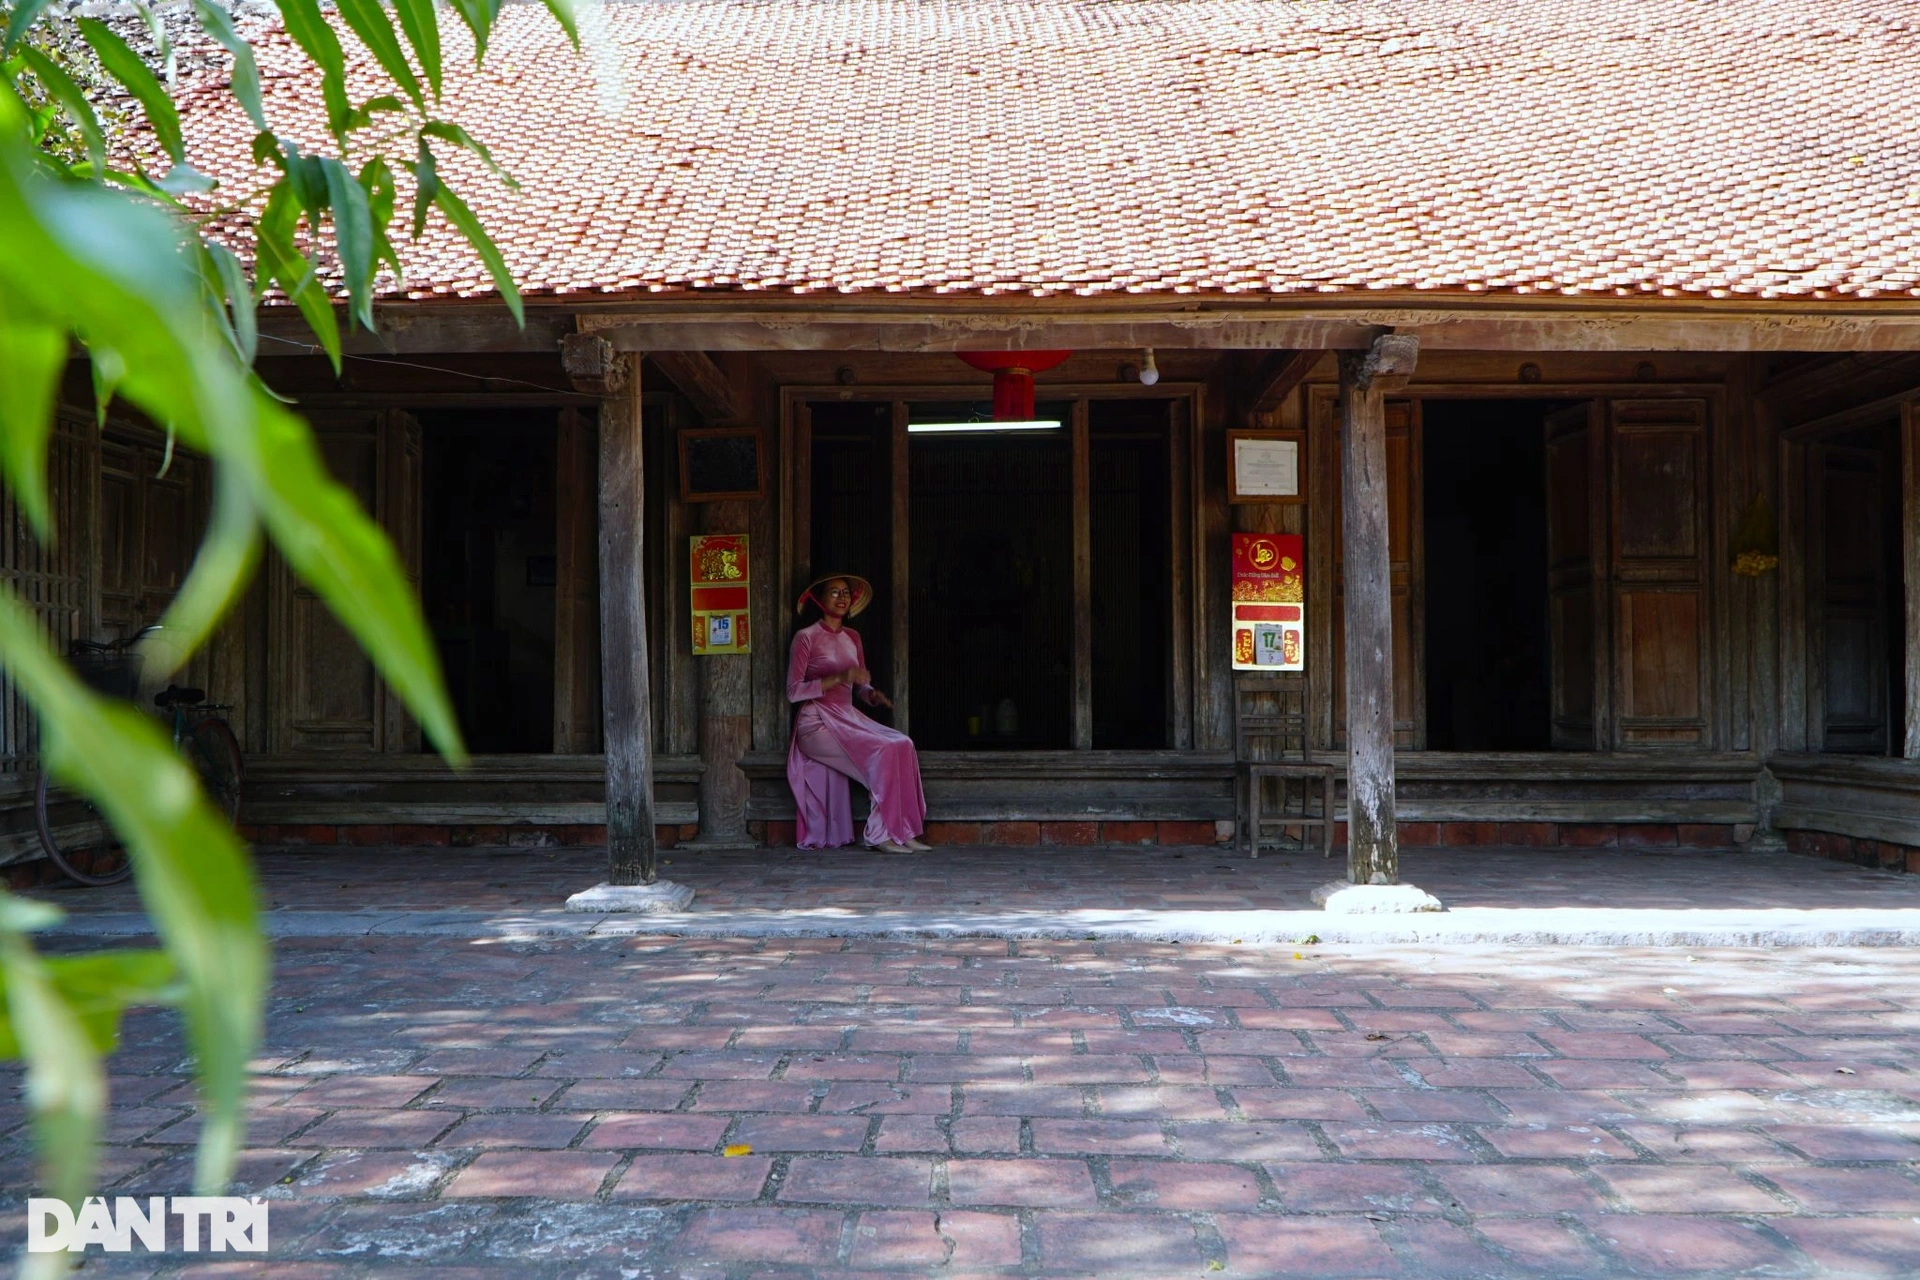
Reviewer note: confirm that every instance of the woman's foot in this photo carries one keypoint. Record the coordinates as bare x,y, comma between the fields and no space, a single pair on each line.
889,846
919,846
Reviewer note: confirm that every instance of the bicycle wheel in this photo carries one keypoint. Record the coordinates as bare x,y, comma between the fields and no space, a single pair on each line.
78,839
214,753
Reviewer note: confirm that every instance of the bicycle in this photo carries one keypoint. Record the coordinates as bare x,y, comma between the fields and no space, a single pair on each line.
71,826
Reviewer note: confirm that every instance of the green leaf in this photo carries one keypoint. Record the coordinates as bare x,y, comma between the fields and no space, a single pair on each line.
476,235
287,267
22,17
369,21
382,192
353,236
192,874
124,65
479,16
426,187
237,295
421,21
33,352
98,988
450,132
311,31
246,72
222,567
563,11
106,368
60,86
66,1086
24,915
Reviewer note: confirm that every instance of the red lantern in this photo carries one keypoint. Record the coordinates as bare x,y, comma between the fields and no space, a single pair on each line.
1013,378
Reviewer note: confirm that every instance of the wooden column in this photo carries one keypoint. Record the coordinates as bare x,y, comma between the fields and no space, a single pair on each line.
1373,847
726,705
626,709
1910,566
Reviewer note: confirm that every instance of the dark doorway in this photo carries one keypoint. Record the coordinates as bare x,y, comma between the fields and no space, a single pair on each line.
1486,574
852,510
1129,556
990,536
487,570
1857,642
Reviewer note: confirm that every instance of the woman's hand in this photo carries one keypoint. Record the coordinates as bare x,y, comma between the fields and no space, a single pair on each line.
875,698
856,676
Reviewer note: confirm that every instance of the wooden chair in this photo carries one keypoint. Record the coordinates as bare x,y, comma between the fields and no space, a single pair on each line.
1273,761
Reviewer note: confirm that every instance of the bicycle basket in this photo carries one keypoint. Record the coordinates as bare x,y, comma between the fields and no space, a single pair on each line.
114,675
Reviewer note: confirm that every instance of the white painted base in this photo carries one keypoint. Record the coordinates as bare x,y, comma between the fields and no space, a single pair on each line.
1343,899
662,897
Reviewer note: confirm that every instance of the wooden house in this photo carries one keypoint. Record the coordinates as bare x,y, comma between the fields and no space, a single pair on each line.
1659,266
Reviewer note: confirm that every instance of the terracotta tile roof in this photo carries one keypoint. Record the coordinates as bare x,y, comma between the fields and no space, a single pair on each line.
1761,148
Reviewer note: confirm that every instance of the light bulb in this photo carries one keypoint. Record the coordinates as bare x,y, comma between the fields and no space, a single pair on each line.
1149,371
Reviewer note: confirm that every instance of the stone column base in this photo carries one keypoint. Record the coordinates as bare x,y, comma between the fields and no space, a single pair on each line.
659,898
1340,898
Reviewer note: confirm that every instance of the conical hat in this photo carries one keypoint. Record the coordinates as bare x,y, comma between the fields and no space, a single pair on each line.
862,592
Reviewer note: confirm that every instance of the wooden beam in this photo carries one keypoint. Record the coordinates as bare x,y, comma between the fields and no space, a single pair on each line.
1274,379
1910,561
626,709
1373,845
1082,579
701,381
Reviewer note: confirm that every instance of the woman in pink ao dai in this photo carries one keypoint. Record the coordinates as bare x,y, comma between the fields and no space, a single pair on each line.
833,742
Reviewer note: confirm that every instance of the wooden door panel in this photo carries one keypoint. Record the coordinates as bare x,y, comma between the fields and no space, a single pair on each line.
1659,498
1576,577
1661,659
576,597
327,695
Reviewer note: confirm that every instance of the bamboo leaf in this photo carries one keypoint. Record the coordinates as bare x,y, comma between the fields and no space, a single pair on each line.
98,988
69,95
191,872
287,267
33,352
382,192
369,22
353,236
105,368
476,235
479,16
564,12
124,65
245,77
426,187
238,297
450,132
66,1085
23,16
315,36
222,567
421,21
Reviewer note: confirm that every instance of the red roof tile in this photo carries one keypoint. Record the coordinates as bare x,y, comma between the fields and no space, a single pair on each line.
1654,148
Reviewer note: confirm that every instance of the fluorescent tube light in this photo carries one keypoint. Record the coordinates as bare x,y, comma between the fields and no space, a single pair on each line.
953,428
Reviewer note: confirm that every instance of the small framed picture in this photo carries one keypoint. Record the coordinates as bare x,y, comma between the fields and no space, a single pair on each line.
721,464
1266,466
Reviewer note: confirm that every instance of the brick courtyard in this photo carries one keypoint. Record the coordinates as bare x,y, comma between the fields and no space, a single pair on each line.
979,1106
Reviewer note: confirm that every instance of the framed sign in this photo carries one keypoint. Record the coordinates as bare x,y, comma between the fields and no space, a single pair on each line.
1269,621
719,464
1266,466
719,573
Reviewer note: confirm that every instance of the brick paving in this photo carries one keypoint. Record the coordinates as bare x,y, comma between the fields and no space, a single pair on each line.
458,1107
